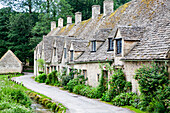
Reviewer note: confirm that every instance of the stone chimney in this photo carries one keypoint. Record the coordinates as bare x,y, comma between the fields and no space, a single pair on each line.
69,20
108,7
60,22
95,11
53,25
78,17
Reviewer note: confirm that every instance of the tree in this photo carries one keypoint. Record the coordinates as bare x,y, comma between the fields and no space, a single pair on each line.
64,9
20,26
23,5
4,20
41,63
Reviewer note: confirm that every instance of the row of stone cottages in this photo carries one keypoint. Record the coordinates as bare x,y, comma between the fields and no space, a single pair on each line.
136,33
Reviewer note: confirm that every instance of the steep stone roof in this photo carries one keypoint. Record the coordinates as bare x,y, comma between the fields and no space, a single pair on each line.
80,45
48,46
144,20
9,58
101,34
156,45
100,55
131,32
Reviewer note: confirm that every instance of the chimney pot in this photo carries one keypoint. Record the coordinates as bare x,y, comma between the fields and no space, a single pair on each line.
78,17
108,7
60,22
53,25
95,11
69,19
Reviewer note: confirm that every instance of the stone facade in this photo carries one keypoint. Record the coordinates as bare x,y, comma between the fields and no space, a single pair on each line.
136,33
9,63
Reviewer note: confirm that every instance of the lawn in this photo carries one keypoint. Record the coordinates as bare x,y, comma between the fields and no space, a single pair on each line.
13,98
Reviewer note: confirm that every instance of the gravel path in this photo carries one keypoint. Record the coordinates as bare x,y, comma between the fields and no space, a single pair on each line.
75,103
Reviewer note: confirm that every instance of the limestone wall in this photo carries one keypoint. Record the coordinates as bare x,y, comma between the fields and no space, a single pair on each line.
92,71
9,64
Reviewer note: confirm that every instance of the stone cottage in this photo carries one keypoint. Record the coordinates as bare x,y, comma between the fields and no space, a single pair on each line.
9,63
136,33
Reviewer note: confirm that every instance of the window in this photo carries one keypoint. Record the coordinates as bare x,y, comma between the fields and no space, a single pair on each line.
54,51
55,68
111,44
93,46
65,53
98,77
85,73
71,58
119,46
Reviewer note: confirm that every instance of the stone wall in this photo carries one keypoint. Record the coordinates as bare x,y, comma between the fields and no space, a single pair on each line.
92,71
10,64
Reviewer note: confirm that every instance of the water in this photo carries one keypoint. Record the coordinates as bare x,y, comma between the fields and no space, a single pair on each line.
40,108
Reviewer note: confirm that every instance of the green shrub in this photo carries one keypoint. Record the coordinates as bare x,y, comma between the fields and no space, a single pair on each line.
106,96
41,78
154,84
52,78
71,84
118,85
156,106
124,99
78,88
85,90
94,93
66,79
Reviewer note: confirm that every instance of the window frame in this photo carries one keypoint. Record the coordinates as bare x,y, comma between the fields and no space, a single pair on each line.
65,53
71,55
55,53
119,46
110,44
93,46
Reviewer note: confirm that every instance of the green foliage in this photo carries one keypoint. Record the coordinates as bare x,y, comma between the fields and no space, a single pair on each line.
41,78
125,99
154,86
6,107
71,84
41,63
101,83
52,78
13,99
118,85
64,9
77,88
156,106
53,106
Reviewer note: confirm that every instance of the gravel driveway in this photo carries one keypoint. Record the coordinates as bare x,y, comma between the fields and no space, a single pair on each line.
75,103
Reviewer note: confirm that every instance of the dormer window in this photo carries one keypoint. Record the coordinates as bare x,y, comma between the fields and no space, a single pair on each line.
54,51
65,53
93,46
72,57
119,46
110,44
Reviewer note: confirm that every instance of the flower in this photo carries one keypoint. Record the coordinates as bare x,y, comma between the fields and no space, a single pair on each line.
104,66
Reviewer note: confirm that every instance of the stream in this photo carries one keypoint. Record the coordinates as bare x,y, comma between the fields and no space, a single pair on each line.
40,108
